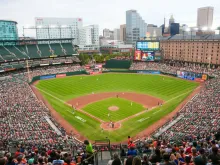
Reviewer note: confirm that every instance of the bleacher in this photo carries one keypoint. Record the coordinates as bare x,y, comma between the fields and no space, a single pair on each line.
33,51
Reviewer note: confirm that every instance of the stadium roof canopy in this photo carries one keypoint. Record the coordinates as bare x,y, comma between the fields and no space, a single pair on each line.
36,40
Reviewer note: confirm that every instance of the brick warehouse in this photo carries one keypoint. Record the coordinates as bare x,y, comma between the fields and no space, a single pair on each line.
193,49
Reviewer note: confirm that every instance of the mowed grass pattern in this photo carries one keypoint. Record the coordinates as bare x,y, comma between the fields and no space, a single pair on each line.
172,90
100,109
159,86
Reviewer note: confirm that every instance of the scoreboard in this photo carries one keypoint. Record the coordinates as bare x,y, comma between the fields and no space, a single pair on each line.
147,45
145,50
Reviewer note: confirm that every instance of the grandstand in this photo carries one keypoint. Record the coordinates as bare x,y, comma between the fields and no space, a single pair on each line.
14,53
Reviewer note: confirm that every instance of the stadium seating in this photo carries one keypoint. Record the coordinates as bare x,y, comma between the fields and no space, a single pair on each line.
45,50
69,48
33,51
57,49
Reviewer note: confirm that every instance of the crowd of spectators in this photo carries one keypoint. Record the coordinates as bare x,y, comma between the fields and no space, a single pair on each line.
172,68
192,140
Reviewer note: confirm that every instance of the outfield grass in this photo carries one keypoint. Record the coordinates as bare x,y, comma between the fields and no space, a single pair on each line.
172,90
71,87
100,109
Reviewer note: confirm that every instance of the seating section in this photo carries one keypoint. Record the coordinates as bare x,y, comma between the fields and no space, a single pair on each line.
57,49
19,52
45,50
69,48
32,51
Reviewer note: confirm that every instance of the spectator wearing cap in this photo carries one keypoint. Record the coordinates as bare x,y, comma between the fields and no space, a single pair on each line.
166,158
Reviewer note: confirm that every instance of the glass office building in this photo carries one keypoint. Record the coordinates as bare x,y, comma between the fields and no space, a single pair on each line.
136,27
8,30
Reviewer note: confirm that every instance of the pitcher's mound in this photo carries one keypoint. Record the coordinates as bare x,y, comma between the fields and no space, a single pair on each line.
113,108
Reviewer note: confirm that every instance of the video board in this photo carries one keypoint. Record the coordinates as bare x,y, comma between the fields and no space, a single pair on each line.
144,55
148,45
192,76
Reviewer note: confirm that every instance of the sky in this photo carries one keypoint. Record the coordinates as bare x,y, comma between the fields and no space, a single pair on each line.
106,13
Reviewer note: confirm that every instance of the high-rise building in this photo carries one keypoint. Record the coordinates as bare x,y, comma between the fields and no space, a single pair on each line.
116,34
154,31
89,35
205,17
49,28
171,20
135,27
174,28
108,34
123,32
8,30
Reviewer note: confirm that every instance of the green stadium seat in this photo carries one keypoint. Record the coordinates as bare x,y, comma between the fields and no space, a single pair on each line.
20,54
45,50
69,48
6,55
57,49
32,51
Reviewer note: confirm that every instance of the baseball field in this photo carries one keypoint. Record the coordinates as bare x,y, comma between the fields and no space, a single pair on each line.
130,102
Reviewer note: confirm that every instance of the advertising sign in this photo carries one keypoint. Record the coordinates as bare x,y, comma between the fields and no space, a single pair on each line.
147,56
47,77
60,75
149,72
148,45
137,55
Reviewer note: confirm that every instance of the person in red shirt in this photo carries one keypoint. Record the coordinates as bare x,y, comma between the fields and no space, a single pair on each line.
129,140
131,145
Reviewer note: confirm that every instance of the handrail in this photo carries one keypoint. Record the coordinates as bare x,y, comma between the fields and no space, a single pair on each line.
96,152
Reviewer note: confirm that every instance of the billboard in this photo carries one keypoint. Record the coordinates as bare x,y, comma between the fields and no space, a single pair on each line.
137,55
148,45
192,76
47,77
147,56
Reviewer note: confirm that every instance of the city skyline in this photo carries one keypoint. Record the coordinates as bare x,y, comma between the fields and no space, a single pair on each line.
107,14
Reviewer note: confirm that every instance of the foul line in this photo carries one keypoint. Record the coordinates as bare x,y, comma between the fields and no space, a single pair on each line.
88,114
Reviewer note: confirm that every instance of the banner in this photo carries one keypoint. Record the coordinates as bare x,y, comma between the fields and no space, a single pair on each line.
204,76
60,75
149,72
47,77
137,55
44,64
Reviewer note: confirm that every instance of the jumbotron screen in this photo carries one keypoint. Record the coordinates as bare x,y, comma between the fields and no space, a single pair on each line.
148,45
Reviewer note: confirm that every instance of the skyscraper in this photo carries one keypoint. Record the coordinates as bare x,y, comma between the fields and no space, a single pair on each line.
116,34
89,35
123,32
48,28
205,17
135,27
108,34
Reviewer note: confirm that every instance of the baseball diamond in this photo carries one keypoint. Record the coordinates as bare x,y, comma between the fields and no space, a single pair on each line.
83,102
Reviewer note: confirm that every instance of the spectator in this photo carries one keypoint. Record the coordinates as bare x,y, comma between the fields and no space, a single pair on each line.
156,157
136,161
214,157
115,156
58,161
145,160
201,158
132,152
